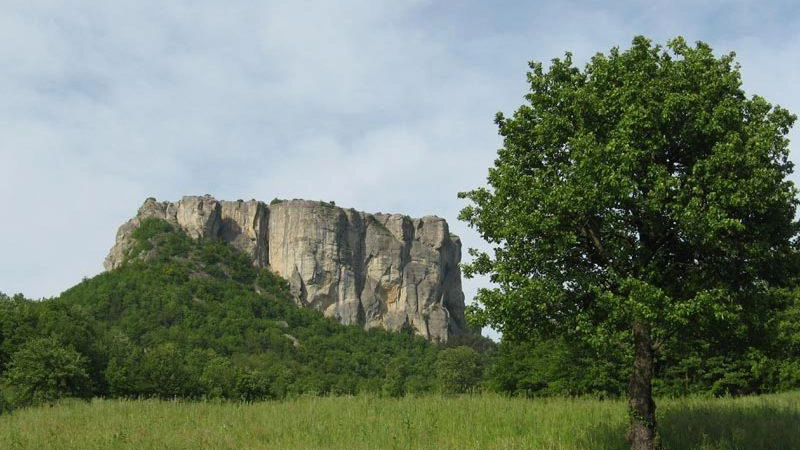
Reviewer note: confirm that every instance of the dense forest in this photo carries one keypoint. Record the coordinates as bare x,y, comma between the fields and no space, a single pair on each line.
189,319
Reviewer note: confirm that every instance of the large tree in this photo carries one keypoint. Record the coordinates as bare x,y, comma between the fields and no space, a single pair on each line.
639,198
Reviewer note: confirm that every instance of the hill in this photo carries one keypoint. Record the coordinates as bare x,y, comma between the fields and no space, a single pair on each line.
373,270
195,319
192,318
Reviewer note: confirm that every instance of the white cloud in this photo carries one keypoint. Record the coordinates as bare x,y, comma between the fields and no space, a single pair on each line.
378,105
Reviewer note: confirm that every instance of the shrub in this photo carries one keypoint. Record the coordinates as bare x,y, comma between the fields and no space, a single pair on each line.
457,370
43,370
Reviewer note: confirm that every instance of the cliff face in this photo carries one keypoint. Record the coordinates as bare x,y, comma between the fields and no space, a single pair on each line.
375,270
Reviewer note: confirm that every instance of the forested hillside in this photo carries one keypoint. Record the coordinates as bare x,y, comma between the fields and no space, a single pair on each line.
190,319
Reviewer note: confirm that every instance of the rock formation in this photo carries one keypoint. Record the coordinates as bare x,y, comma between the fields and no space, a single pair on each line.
376,270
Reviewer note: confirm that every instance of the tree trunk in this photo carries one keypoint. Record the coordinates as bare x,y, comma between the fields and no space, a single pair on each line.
642,409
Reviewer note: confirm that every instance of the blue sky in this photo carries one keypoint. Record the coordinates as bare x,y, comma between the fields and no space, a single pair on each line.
378,105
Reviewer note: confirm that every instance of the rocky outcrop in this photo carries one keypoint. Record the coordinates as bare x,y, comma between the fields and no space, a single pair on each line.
375,270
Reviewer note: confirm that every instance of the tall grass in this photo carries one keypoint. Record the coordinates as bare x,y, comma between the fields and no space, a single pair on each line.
352,423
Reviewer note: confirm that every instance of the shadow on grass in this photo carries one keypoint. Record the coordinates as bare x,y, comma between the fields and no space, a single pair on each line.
733,426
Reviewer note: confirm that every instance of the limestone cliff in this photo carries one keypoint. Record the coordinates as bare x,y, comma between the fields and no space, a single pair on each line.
376,270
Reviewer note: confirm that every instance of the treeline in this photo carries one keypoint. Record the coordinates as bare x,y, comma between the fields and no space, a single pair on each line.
189,319
760,354
748,364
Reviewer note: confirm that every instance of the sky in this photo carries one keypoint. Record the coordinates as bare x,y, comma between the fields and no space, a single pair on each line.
378,105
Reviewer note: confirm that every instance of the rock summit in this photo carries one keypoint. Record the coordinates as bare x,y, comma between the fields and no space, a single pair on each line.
374,270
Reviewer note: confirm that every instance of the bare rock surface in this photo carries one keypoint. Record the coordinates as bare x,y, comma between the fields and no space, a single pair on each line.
374,270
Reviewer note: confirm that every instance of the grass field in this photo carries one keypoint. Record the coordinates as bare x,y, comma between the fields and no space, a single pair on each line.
354,423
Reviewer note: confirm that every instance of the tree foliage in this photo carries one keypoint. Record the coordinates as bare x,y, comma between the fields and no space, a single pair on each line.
458,370
43,370
643,199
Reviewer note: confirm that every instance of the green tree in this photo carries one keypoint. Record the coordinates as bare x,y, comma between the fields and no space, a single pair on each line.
642,197
397,372
43,370
457,370
556,367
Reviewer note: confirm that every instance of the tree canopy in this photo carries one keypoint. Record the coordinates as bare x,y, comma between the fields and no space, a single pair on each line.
642,198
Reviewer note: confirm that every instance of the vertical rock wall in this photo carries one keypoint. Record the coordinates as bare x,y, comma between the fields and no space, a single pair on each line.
375,270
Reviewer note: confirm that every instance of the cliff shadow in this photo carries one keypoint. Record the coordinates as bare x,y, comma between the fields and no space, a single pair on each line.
748,425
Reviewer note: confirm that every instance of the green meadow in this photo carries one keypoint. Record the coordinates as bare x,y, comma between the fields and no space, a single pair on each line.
429,422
